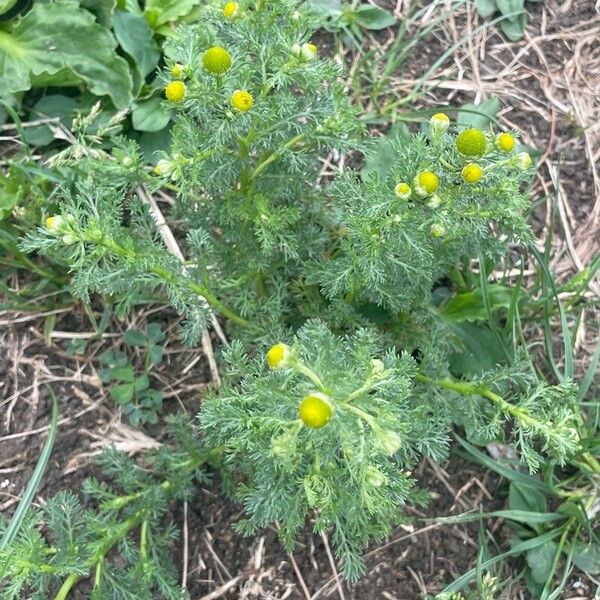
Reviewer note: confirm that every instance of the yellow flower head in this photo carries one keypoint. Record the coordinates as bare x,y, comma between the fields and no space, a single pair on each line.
231,10
439,122
216,60
309,51
177,71
426,183
437,230
471,142
316,410
506,142
278,356
472,173
175,91
403,191
242,100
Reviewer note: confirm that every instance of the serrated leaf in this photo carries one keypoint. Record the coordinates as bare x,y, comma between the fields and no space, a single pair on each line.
122,394
122,373
135,37
133,337
540,561
159,12
485,7
480,115
61,37
150,115
102,9
141,383
373,17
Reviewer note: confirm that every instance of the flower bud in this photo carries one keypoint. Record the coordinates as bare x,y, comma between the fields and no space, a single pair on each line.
231,10
54,223
435,201
403,191
316,410
437,230
278,356
505,142
439,123
242,100
309,51
426,183
390,442
523,161
472,173
177,71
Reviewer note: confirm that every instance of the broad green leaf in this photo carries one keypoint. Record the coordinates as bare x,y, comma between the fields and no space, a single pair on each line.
373,17
152,142
511,9
122,373
63,37
122,394
480,352
158,12
326,8
102,9
154,333
54,106
587,557
540,560
480,115
6,5
135,37
141,383
485,7
150,115
525,498
469,306
381,160
514,29
133,337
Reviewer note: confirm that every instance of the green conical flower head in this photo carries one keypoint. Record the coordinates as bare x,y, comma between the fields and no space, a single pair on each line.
471,142
216,60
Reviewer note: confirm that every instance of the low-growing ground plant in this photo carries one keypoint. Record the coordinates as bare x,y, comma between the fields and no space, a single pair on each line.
347,362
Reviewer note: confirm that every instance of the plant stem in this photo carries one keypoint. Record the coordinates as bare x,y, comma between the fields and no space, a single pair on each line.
275,155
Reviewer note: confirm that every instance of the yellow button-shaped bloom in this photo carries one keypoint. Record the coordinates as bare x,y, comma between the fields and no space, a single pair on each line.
54,223
278,356
231,10
216,60
428,181
506,142
471,142
403,191
175,91
242,100
316,410
472,173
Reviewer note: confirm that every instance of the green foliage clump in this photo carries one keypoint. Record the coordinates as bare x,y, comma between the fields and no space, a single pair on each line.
350,271
64,542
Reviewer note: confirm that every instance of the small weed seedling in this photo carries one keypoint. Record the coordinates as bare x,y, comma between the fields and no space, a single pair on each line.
132,391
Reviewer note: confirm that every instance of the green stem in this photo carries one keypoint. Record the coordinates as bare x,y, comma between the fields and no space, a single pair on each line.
275,155
302,368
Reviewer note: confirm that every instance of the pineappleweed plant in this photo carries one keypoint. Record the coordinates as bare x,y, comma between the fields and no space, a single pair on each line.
335,279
